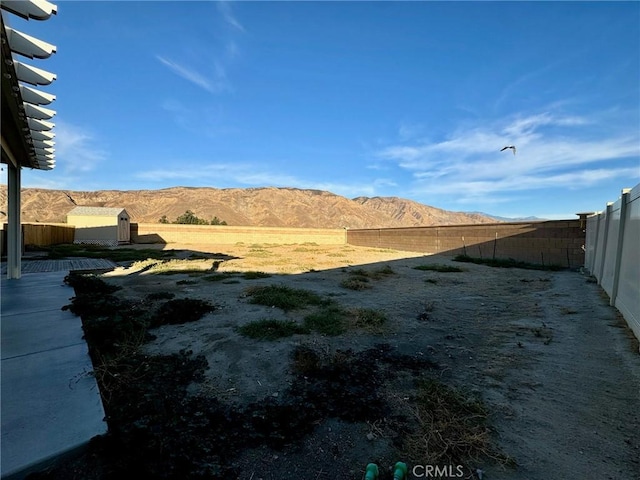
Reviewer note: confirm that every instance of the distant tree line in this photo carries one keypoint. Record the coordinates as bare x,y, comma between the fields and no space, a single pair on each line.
189,218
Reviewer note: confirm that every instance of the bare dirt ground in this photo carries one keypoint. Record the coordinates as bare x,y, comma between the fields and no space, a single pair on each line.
555,366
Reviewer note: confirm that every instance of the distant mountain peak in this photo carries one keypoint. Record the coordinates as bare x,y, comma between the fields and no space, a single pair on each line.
511,219
261,206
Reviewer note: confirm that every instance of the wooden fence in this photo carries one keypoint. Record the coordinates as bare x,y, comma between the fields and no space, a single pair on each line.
40,235
46,234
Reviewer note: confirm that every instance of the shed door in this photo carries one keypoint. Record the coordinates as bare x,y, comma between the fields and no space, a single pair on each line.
124,233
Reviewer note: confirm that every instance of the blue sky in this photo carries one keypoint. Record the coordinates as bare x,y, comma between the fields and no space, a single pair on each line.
408,99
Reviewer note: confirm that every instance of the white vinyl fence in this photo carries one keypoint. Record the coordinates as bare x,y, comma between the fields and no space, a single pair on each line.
613,254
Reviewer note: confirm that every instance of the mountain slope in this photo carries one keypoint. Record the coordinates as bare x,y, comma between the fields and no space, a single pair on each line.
290,207
414,214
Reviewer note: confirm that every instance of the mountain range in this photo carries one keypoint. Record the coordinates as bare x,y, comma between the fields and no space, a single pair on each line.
274,207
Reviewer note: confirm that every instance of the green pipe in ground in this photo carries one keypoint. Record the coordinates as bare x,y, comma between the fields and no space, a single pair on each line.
372,472
400,471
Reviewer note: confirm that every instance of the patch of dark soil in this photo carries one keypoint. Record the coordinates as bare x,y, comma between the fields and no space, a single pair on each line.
180,310
158,431
110,322
160,296
344,385
348,385
89,284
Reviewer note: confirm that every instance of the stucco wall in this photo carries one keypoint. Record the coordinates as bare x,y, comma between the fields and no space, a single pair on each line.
549,242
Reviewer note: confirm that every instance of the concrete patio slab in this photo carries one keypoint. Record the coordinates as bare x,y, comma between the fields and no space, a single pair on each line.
51,405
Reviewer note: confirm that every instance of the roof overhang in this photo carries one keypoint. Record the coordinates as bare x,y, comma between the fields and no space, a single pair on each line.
24,121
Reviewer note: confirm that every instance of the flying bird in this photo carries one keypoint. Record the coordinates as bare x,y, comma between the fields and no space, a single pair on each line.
512,147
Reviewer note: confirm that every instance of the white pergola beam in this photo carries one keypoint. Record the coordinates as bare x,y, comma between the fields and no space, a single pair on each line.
37,97
38,112
33,75
36,9
27,45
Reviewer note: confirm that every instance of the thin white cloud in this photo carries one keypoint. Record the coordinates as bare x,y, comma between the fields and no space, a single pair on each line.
227,13
250,175
48,180
232,49
526,126
182,115
217,84
408,131
76,148
472,142
561,151
221,74
233,173
517,183
212,75
520,83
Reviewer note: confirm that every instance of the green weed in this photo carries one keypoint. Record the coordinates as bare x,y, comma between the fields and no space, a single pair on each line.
283,297
506,263
255,275
216,277
270,329
330,320
439,268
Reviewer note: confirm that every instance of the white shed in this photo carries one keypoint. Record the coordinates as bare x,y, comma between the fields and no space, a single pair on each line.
100,225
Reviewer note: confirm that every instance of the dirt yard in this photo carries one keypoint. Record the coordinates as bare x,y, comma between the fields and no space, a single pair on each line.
545,373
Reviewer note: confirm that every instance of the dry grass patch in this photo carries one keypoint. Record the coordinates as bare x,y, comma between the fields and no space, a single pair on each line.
174,266
355,283
568,311
259,253
367,319
359,278
450,427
